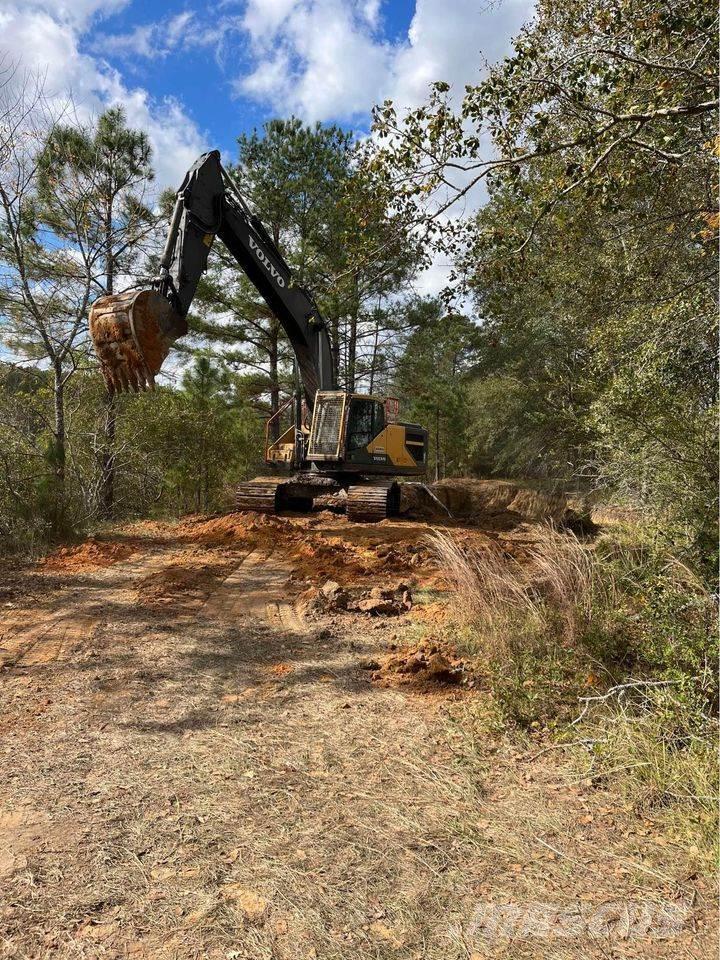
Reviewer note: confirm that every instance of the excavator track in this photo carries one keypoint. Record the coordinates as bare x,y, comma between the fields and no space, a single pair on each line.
368,503
291,493
258,497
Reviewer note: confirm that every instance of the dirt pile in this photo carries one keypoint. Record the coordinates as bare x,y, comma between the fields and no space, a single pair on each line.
419,502
90,554
227,528
498,501
429,665
324,545
379,602
495,504
190,576
501,505
332,598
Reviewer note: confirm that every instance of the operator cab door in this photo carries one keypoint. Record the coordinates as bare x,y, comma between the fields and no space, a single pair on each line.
366,419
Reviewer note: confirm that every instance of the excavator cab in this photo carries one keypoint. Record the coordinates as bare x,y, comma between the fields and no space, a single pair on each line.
359,433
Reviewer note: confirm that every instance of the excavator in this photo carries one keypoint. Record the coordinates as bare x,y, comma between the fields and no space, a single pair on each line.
336,442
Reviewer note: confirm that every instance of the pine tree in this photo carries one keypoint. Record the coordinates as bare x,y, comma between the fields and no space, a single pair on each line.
92,186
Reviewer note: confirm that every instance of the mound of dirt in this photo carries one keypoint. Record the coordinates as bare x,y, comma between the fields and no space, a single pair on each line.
226,528
499,502
323,545
429,665
90,554
191,578
419,502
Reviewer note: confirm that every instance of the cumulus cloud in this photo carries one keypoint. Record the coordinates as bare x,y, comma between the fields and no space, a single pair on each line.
47,34
326,60
317,58
77,12
156,40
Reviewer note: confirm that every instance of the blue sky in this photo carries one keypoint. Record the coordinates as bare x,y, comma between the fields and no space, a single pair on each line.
195,74
203,73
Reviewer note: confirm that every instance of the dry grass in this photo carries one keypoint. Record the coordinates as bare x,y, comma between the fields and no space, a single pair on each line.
498,594
525,623
547,632
185,783
673,777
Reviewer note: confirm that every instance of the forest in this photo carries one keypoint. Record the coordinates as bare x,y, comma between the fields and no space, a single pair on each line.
570,196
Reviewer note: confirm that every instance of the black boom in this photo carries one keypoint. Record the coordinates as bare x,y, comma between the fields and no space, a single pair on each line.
206,207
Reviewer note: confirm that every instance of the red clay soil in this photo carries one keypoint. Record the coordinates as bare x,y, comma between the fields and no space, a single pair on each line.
429,666
90,554
323,545
191,574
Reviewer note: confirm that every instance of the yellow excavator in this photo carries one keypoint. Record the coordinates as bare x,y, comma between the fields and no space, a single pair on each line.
335,441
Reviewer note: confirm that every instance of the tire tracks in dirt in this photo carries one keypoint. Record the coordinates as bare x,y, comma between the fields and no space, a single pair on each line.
32,636
193,772
256,588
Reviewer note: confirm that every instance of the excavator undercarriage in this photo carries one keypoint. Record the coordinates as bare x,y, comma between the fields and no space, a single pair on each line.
348,444
364,502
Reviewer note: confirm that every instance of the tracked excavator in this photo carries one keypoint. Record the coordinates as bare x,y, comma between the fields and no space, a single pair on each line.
336,442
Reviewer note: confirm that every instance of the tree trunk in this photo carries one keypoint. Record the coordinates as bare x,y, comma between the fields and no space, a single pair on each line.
375,351
335,346
274,383
437,444
59,450
107,483
107,463
352,337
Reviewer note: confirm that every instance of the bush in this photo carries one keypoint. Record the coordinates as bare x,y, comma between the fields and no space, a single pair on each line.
524,622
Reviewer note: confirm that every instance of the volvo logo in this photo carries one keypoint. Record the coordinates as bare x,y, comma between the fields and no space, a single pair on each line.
265,261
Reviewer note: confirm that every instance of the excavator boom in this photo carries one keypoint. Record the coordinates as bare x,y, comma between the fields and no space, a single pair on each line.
132,332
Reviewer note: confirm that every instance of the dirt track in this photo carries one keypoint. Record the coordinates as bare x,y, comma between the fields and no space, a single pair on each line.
190,768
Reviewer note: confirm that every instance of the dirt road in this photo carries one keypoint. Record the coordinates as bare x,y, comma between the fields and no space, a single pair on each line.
189,767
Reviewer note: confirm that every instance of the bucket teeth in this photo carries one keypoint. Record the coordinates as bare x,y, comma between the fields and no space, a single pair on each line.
132,334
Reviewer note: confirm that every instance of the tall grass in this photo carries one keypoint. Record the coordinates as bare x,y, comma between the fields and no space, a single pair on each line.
618,626
557,580
524,622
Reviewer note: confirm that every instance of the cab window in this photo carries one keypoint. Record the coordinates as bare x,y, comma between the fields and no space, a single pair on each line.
365,421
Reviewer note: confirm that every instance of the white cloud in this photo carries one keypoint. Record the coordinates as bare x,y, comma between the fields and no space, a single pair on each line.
263,18
77,12
370,10
316,58
155,40
47,35
323,59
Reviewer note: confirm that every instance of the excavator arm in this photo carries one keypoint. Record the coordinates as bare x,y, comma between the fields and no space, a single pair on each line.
132,333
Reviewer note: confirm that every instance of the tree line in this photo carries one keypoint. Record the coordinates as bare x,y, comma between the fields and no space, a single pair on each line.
593,264
80,218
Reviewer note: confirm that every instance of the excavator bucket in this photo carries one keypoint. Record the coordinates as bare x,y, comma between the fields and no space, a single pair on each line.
132,333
